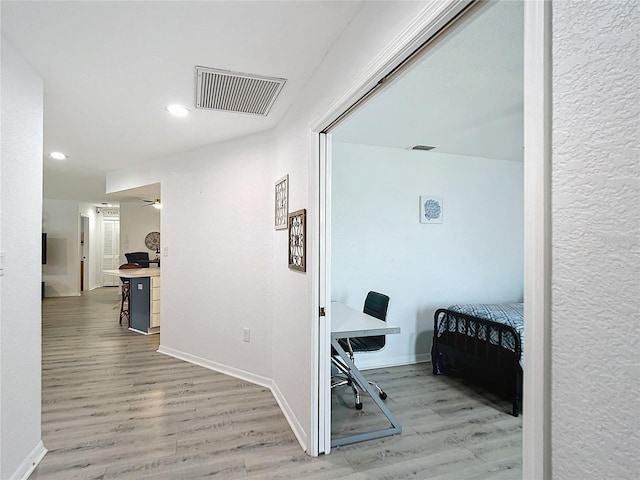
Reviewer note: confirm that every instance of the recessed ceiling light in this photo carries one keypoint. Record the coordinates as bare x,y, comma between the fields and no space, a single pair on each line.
58,155
178,110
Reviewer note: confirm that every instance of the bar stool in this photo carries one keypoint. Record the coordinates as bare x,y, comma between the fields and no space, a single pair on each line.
126,292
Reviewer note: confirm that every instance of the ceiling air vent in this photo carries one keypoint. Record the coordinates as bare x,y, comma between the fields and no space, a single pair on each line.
421,147
236,92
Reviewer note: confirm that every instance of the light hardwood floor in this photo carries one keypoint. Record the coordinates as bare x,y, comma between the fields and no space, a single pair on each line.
112,407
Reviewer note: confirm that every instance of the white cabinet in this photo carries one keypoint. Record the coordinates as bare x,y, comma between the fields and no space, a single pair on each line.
155,302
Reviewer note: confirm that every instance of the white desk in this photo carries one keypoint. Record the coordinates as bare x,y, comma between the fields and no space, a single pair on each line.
348,322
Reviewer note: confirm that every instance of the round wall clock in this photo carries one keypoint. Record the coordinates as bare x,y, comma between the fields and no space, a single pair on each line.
152,240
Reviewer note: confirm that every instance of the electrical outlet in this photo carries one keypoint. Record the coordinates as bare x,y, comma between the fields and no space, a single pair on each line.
246,335
165,251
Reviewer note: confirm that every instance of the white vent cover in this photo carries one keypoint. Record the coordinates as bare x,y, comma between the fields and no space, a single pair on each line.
236,92
425,148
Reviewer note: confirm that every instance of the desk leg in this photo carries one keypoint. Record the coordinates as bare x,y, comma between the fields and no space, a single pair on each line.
395,428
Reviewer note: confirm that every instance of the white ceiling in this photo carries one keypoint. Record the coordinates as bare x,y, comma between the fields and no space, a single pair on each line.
110,68
464,95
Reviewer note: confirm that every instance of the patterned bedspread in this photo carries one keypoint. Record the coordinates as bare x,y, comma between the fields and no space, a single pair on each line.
507,314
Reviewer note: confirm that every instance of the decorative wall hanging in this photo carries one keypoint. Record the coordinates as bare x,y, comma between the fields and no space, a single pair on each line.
430,209
152,240
282,202
297,240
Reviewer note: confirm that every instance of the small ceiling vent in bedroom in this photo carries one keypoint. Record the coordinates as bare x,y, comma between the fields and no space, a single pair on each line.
424,148
236,92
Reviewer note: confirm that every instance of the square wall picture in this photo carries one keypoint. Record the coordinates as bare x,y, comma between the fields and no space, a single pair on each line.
282,203
430,209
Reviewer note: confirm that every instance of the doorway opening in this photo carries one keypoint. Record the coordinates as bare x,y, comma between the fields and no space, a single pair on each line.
536,440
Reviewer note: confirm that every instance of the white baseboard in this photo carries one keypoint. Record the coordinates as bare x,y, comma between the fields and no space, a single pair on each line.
30,463
297,429
62,294
292,420
365,363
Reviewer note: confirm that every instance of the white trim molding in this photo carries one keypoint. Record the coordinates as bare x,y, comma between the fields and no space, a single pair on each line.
536,439
287,411
30,463
364,361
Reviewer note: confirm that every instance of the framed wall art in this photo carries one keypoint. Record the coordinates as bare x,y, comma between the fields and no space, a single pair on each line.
430,209
297,222
282,203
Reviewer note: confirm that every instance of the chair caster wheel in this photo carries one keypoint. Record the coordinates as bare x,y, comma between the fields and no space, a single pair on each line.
358,406
383,395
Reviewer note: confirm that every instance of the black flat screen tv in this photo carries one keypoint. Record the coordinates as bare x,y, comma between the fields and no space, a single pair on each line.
44,248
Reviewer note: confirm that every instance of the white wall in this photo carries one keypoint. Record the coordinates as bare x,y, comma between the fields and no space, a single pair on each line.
378,242
596,240
61,222
20,243
136,222
217,202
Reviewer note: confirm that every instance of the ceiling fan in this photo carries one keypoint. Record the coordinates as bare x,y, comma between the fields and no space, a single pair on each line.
155,202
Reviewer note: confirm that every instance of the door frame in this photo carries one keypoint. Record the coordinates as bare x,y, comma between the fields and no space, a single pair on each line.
537,258
85,283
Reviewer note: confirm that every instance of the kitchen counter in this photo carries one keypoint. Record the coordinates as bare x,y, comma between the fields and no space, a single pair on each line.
144,298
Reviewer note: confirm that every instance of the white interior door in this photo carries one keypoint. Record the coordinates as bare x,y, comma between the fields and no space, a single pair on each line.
110,250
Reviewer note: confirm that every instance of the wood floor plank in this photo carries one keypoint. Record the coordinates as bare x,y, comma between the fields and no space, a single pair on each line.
115,408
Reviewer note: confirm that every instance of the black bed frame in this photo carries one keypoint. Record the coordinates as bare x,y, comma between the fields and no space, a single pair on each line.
477,357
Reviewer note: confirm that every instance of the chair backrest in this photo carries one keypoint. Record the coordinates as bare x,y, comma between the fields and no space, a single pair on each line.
128,266
141,258
375,304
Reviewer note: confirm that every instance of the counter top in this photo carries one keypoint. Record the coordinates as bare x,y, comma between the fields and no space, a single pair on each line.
134,272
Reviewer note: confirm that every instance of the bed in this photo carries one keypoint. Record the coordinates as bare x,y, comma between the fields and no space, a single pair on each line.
484,341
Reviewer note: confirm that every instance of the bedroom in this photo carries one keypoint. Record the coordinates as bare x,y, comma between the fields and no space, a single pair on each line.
470,108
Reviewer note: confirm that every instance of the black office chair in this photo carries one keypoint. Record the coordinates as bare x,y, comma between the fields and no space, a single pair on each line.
376,304
141,258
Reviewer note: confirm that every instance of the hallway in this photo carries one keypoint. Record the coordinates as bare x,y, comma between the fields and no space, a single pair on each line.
114,408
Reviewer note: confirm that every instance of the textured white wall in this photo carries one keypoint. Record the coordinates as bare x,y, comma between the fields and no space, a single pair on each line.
595,243
378,242
20,242
215,280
